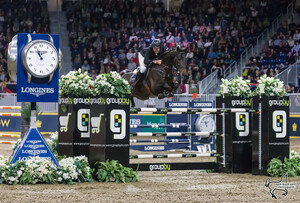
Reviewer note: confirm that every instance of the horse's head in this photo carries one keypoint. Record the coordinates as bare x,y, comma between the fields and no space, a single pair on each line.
180,59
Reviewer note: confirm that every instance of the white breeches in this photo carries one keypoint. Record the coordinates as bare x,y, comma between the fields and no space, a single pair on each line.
142,65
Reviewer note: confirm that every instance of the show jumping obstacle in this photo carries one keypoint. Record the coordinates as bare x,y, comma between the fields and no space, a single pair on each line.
174,134
218,111
11,107
239,123
10,135
188,110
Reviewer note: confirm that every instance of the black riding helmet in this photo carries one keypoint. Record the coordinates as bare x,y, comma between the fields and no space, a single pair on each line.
155,43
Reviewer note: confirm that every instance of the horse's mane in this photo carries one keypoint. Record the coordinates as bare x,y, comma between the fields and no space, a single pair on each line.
166,54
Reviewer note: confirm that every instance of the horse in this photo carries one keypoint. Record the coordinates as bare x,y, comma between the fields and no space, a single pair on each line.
159,79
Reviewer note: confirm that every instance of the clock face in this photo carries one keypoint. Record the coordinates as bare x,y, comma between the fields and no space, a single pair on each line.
40,58
207,124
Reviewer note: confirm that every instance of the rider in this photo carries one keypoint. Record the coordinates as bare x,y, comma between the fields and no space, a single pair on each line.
147,57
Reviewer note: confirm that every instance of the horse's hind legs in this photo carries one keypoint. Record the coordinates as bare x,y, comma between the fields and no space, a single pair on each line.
132,101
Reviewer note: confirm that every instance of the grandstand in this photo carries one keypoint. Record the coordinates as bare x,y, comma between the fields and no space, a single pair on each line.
224,38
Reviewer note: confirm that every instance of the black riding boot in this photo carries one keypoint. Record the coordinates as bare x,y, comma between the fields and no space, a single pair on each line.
137,77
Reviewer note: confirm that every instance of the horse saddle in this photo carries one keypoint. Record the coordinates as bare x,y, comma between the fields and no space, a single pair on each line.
144,78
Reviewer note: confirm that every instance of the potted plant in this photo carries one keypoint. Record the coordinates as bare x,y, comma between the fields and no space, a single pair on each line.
272,138
236,142
75,90
109,119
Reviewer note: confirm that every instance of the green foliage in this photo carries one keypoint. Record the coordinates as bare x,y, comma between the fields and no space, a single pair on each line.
290,166
26,112
113,171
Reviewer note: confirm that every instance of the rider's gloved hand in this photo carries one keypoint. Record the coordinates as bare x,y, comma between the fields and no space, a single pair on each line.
157,62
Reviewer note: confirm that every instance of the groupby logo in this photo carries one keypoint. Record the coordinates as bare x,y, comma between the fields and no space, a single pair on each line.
117,101
279,123
118,123
242,123
160,167
245,102
83,120
282,102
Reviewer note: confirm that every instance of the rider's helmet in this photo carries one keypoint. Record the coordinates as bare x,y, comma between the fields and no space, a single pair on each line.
155,43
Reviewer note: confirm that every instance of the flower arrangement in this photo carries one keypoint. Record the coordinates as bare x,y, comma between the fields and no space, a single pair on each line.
269,86
76,83
111,83
81,84
40,170
235,87
75,169
32,171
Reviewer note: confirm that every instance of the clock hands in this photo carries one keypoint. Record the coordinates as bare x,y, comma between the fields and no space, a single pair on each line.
38,52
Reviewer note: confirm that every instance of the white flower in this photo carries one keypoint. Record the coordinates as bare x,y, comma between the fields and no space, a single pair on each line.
19,173
59,179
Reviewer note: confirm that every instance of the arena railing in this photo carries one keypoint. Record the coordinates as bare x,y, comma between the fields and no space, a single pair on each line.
10,99
261,40
291,75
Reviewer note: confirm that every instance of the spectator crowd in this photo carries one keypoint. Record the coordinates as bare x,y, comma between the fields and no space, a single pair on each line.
279,52
19,16
106,35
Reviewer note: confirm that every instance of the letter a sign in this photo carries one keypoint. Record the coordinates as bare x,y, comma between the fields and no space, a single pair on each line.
33,145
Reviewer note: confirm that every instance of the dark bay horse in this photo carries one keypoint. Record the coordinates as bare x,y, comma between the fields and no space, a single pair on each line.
160,78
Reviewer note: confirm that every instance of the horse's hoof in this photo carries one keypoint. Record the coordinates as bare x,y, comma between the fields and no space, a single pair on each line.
161,96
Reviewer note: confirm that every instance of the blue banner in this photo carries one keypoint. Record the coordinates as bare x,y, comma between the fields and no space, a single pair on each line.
33,145
45,123
170,104
295,125
36,80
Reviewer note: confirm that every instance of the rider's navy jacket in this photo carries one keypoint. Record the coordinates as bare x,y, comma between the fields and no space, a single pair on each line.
149,54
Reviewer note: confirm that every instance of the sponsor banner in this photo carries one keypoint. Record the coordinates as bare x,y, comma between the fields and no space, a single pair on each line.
177,119
38,89
151,120
160,167
156,148
170,104
198,104
281,102
136,120
33,144
93,100
44,123
241,102
295,125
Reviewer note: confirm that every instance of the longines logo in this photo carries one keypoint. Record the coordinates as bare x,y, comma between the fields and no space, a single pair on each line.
37,91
